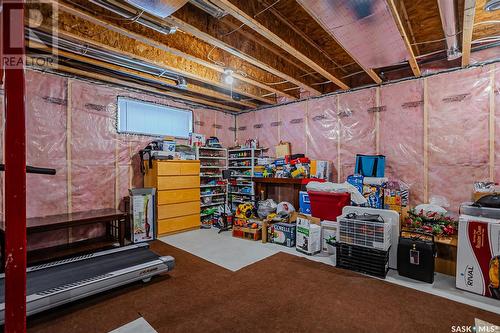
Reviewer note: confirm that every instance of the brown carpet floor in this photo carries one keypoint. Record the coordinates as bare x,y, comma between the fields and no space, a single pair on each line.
282,293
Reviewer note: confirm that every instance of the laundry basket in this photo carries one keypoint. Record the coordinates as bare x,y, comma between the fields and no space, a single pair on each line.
328,205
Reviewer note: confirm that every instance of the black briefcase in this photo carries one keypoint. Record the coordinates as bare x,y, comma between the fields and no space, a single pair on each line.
416,253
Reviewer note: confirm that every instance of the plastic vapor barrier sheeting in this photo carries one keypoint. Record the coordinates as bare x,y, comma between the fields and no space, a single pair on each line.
71,127
323,129
357,127
389,120
402,134
458,132
293,126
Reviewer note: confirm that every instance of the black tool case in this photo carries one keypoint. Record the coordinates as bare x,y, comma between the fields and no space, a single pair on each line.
416,254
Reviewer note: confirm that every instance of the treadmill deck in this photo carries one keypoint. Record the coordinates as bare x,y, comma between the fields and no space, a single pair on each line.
48,278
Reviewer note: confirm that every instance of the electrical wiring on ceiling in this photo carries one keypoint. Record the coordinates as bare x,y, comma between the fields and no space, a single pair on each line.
435,40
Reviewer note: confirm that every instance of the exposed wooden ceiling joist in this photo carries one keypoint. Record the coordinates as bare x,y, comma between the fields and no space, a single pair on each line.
188,41
136,49
204,27
485,22
148,77
106,78
412,60
368,71
468,27
243,15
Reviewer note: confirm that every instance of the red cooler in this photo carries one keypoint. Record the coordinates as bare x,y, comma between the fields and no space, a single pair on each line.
328,205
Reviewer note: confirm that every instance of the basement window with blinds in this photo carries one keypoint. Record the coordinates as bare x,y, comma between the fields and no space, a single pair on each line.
139,117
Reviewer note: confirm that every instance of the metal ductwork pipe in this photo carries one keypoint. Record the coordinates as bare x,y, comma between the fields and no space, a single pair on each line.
209,8
159,8
449,22
137,17
105,56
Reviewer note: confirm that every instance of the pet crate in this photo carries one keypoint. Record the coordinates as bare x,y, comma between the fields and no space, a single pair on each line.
374,235
362,259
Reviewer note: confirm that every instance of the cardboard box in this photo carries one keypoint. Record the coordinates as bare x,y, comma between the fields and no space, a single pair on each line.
329,237
478,257
374,195
478,195
321,169
196,140
283,149
396,199
284,234
308,236
329,232
142,214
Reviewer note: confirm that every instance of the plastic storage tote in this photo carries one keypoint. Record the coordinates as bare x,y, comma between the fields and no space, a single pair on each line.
328,205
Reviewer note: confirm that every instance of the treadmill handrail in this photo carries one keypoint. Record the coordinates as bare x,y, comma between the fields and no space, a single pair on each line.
32,169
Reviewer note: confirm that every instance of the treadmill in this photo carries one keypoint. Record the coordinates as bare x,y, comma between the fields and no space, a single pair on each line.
59,282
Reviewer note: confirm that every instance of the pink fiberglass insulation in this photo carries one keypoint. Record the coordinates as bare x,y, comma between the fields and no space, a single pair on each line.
266,127
357,128
245,127
365,27
293,128
46,147
485,55
204,121
495,69
323,130
402,135
458,133
225,128
93,146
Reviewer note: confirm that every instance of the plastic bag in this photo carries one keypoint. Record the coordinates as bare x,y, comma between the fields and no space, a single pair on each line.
266,207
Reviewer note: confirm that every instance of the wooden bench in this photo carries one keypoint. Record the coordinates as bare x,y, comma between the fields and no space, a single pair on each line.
113,219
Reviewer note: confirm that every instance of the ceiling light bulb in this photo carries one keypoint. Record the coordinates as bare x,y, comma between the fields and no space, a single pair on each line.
228,76
229,79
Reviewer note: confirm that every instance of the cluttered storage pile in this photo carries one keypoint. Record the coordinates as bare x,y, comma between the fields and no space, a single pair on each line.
366,224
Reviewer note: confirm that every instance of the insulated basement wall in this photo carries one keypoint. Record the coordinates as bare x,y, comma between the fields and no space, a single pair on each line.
71,126
440,133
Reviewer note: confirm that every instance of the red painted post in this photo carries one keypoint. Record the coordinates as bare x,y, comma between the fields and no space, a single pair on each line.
15,166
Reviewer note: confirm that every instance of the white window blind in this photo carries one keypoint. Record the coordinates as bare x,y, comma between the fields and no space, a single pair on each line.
138,117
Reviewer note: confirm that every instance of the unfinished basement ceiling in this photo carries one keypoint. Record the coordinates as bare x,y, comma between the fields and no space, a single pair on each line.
276,50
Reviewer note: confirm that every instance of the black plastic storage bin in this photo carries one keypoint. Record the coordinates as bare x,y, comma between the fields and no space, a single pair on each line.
362,259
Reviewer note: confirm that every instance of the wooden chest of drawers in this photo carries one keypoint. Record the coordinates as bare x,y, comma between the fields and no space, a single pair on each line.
178,194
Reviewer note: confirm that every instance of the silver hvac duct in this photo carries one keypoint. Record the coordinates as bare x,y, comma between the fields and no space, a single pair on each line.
105,56
209,8
160,8
449,22
137,17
